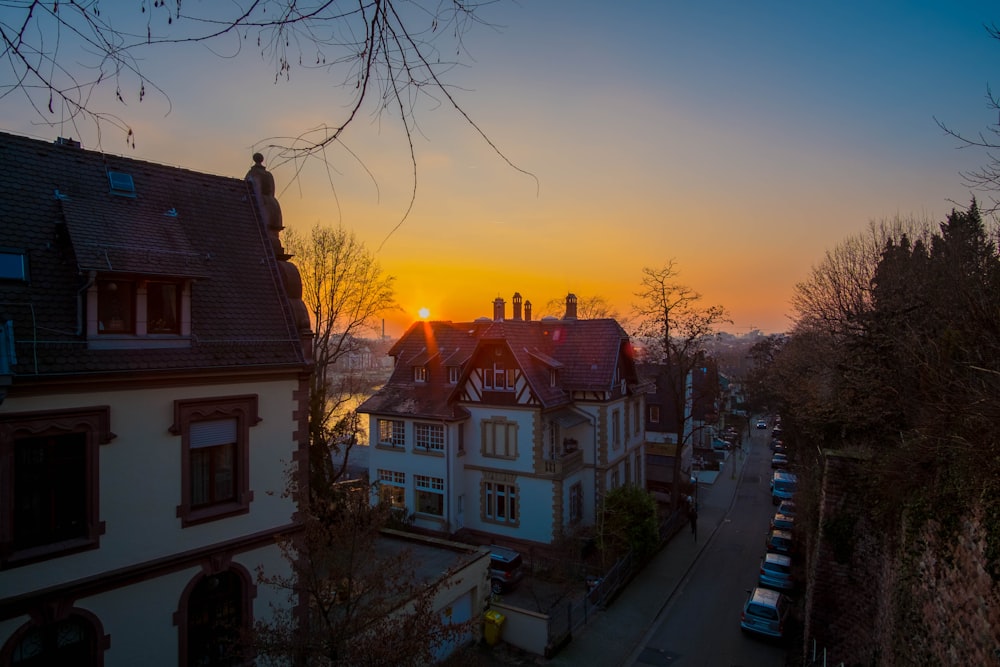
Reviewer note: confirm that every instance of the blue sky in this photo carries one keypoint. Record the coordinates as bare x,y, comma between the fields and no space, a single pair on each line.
743,140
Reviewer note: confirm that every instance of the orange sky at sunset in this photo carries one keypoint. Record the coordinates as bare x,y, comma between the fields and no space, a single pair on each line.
742,142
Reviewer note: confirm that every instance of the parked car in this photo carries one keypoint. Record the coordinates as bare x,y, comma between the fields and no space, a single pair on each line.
761,423
783,486
787,507
778,447
776,572
506,568
779,461
779,541
783,522
765,613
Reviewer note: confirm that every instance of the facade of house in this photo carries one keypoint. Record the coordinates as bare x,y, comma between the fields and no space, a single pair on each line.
153,402
507,428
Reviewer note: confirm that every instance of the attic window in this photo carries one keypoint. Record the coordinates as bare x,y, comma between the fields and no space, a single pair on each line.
121,184
13,264
420,374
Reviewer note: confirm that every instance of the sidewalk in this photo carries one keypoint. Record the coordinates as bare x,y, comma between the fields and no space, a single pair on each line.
615,634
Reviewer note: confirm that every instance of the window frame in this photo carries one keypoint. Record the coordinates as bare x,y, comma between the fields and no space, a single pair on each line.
654,414
576,503
427,484
187,411
94,423
182,618
616,425
489,430
507,491
392,488
396,437
424,439
96,641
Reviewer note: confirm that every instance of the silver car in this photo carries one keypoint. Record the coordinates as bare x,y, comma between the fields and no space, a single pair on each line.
776,572
765,613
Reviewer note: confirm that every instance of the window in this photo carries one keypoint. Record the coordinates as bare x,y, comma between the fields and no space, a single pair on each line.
499,438
217,612
654,414
635,417
576,502
429,437
420,374
49,506
163,303
498,377
616,426
213,462
215,456
614,478
115,306
132,307
500,503
391,433
13,264
454,372
392,488
73,640
430,495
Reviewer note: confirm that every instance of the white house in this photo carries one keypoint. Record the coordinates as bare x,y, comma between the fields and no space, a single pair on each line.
153,393
509,429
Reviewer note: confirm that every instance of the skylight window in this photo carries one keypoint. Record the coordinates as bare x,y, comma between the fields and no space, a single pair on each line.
121,184
13,265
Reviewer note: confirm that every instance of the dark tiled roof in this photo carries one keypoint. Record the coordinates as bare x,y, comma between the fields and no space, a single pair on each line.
56,204
585,354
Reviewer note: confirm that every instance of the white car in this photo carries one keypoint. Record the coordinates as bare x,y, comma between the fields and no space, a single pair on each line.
761,423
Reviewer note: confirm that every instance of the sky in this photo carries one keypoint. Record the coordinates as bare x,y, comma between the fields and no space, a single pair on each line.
741,141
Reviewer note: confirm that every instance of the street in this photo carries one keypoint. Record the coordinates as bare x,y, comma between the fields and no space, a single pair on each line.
699,625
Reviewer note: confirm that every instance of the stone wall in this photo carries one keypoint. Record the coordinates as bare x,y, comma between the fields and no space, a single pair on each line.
879,595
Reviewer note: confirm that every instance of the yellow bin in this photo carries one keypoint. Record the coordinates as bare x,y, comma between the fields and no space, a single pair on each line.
493,622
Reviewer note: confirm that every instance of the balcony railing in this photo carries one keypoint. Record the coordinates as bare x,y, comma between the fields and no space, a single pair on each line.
568,463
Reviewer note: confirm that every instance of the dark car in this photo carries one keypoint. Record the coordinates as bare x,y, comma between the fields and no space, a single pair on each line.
787,507
779,461
506,568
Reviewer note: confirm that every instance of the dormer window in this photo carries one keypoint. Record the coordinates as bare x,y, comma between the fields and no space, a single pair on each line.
115,306
420,374
453,374
126,311
553,377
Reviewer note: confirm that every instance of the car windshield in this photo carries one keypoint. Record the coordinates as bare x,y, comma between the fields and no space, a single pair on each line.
762,611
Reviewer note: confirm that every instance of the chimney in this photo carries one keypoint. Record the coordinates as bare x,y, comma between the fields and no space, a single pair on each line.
517,306
570,307
527,311
498,308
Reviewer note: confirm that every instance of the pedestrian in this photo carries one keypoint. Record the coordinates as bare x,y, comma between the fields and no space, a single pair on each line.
693,517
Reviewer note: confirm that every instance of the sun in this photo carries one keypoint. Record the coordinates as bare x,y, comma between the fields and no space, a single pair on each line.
424,313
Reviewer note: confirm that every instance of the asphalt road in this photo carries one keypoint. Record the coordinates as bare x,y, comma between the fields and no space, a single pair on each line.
700,623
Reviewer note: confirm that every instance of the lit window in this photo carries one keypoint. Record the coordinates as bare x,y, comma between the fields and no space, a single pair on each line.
420,374
392,487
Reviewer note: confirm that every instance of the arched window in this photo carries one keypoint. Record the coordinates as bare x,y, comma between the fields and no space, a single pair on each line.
216,615
70,641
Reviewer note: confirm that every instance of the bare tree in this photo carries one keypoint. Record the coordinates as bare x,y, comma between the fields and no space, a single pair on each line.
359,603
677,329
838,291
384,55
346,291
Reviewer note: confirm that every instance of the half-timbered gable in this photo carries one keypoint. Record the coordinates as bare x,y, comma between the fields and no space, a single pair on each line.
537,419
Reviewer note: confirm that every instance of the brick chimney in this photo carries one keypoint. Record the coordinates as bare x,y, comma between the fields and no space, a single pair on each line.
570,307
498,308
527,311
517,306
